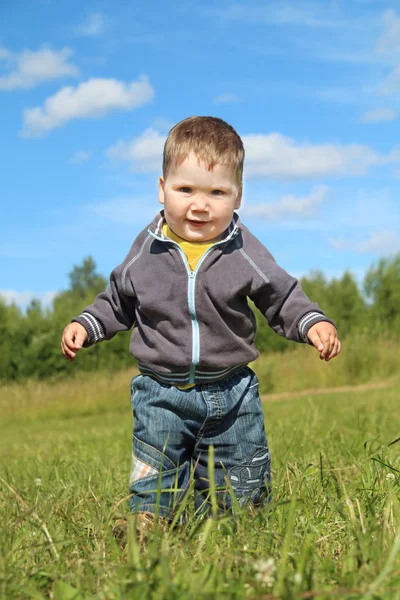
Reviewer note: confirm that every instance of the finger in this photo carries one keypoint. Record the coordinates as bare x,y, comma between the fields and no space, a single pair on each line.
335,349
326,345
325,351
330,353
332,347
316,341
69,343
71,337
69,354
79,341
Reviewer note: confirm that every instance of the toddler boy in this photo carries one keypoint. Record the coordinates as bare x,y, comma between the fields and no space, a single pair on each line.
184,287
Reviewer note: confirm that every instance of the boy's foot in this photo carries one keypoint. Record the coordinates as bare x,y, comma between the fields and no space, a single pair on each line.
145,523
120,531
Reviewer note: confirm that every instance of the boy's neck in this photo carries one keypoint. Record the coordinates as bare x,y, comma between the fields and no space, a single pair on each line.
179,238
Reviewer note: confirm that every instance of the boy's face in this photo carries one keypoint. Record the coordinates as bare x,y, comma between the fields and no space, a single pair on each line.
199,204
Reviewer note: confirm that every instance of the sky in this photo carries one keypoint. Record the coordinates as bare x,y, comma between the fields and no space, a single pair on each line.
89,90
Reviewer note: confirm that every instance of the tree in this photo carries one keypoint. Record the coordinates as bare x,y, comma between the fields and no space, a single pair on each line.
84,278
85,284
315,286
382,287
347,306
11,322
30,341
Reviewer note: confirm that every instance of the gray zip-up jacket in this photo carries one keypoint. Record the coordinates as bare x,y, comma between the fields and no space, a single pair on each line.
197,327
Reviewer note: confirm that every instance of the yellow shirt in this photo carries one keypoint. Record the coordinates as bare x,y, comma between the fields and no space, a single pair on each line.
193,252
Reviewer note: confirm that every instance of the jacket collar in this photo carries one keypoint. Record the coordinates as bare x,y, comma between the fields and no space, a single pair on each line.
155,228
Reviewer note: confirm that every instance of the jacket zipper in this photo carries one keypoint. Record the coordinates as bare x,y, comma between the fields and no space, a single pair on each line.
191,300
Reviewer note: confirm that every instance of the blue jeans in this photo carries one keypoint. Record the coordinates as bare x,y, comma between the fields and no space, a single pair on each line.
173,431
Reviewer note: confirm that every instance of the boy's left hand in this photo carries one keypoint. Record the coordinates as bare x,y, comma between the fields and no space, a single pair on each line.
324,337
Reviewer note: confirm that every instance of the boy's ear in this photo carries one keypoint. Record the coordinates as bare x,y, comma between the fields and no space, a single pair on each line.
161,190
239,198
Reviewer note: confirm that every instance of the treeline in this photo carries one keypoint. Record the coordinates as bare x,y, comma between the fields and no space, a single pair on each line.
30,340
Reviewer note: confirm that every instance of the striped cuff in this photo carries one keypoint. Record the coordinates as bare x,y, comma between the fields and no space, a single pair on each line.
310,319
93,327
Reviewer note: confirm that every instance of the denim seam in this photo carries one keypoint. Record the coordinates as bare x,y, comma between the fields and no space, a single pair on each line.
158,474
203,426
200,434
155,450
213,420
216,419
219,406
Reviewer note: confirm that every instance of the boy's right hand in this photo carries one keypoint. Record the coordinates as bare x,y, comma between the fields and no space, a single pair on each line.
73,338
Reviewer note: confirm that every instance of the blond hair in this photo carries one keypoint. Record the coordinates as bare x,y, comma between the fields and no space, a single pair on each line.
211,139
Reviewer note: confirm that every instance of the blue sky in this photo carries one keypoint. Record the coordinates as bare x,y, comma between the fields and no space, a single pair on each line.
89,90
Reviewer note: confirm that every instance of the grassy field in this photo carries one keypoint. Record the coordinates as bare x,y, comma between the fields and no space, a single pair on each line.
331,530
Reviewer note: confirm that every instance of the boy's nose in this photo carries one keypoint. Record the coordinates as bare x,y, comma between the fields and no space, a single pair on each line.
199,203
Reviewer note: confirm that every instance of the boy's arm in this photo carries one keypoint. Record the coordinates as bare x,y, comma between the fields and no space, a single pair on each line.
286,307
281,300
112,311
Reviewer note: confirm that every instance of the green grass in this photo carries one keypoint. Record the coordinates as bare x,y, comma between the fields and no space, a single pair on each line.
363,359
331,531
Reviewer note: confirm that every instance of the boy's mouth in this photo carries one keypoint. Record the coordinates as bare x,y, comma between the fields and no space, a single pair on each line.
198,223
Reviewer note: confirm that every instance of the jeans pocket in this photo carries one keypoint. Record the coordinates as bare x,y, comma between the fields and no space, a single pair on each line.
254,378
148,463
134,381
135,389
241,384
154,458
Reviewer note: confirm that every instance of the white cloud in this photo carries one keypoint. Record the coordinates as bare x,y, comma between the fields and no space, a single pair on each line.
389,41
144,153
19,249
392,82
357,56
345,96
385,242
227,99
125,210
162,124
80,157
388,48
308,14
5,54
371,208
379,115
282,158
267,155
339,243
287,206
92,99
30,68
379,242
96,24
23,299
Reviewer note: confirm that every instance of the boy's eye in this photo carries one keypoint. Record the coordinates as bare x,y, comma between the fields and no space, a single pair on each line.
217,192
185,190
